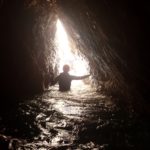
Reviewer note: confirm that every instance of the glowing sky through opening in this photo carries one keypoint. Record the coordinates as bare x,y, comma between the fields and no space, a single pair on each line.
78,65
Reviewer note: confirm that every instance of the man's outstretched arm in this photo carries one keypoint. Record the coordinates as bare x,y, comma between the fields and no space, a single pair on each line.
79,77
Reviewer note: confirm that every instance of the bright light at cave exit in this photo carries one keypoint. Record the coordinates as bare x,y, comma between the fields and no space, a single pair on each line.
78,65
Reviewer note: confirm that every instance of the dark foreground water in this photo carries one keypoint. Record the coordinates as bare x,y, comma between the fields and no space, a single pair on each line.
76,120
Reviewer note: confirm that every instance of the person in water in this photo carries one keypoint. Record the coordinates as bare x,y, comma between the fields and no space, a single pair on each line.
64,79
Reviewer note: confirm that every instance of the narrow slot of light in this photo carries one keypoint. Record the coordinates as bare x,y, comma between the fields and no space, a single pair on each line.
78,65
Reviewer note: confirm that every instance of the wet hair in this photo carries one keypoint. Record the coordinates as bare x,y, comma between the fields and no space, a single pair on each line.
66,68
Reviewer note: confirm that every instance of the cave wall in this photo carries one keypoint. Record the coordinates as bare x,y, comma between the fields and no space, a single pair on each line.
23,50
112,35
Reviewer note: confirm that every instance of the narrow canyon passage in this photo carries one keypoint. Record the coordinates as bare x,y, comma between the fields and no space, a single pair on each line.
108,42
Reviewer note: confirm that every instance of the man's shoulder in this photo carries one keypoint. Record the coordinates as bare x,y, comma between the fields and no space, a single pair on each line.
61,74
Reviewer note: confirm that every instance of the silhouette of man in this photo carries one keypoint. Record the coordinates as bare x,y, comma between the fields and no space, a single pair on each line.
64,79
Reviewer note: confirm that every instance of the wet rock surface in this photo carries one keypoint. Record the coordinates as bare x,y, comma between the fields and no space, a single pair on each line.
79,119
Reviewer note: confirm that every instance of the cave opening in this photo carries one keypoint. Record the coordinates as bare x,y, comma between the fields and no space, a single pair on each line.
66,52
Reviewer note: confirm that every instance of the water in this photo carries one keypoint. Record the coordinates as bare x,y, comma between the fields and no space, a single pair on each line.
78,119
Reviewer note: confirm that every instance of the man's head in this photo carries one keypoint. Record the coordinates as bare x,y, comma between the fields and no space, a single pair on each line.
66,68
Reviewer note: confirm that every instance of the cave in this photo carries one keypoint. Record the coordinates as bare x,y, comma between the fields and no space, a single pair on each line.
108,40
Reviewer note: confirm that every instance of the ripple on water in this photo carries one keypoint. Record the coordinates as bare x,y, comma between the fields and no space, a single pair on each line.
62,117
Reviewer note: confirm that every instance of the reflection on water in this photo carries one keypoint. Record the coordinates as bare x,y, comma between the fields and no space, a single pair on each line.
72,104
78,119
